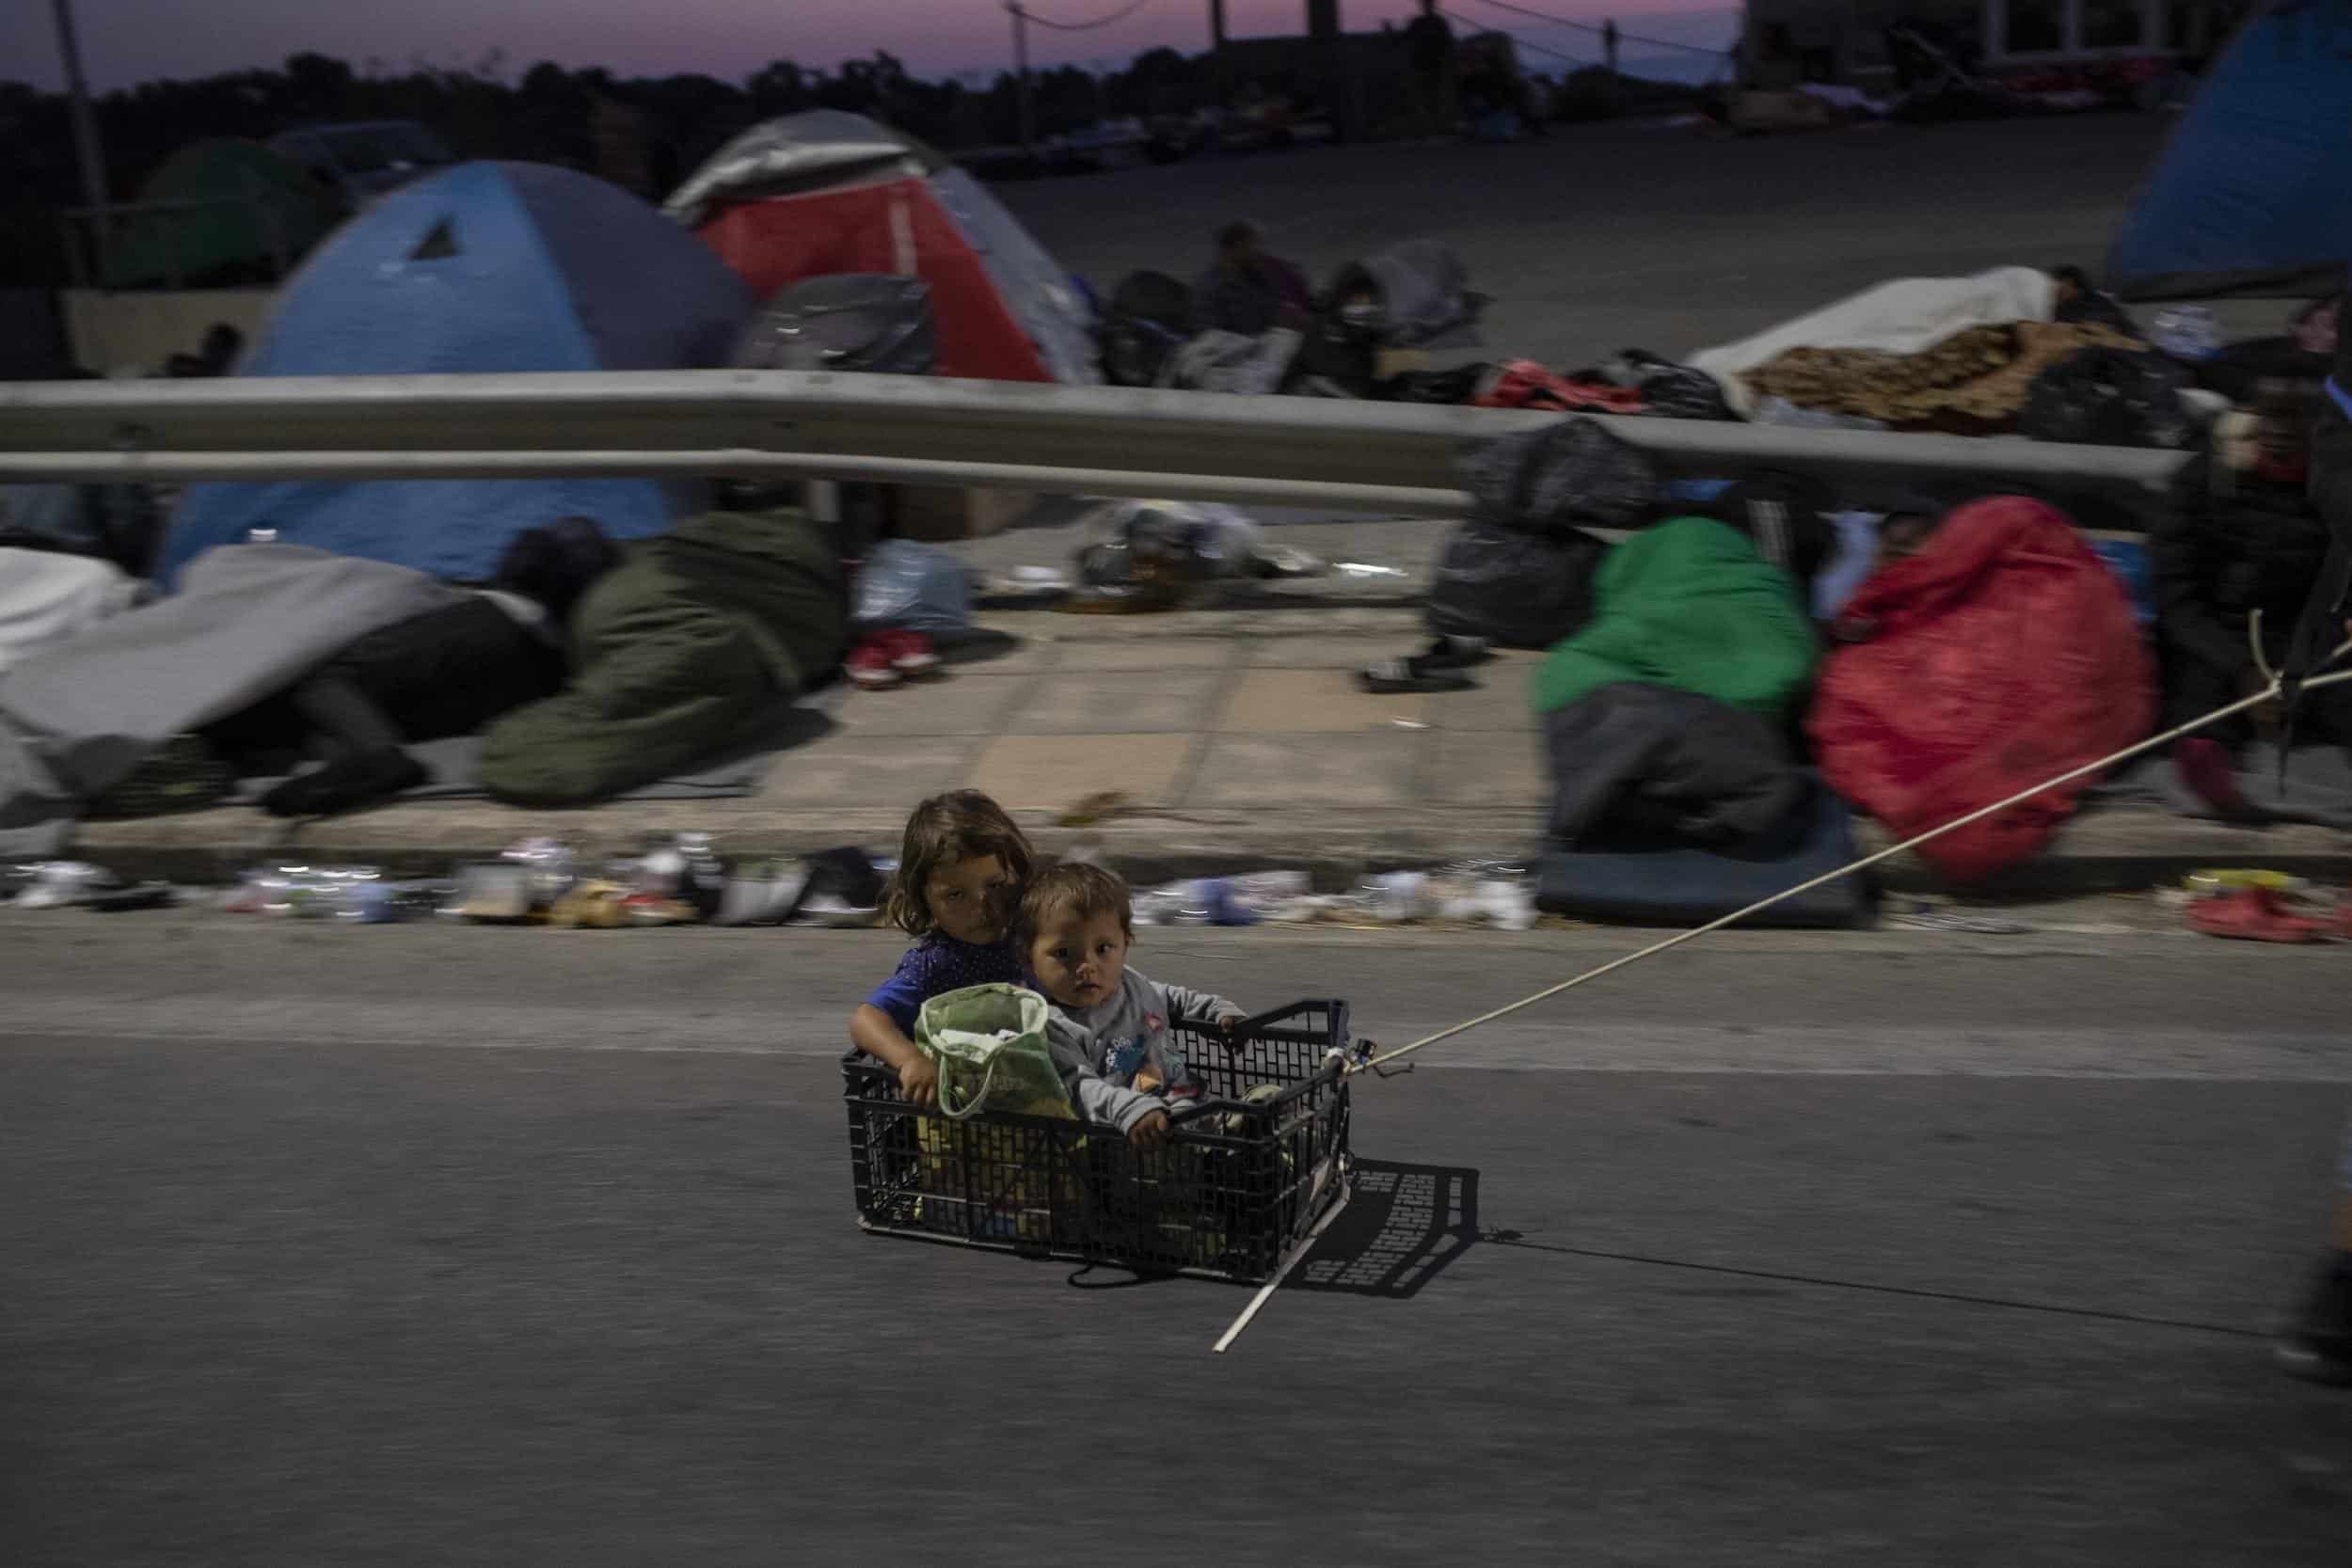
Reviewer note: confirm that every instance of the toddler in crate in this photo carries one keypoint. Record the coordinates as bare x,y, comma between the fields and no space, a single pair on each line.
1109,1028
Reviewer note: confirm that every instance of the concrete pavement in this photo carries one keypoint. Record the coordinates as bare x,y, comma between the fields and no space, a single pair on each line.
401,1244
1210,740
1611,236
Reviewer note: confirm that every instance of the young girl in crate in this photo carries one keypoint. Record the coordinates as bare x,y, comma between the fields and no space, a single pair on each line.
962,870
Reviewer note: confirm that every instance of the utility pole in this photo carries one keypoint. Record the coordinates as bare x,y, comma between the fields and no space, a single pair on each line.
1609,43
1334,69
1021,64
1220,82
85,127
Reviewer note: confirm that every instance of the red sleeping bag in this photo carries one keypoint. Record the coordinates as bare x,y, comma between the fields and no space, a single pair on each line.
2003,654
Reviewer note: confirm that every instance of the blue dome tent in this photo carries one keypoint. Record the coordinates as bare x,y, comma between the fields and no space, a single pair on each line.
487,267
2253,193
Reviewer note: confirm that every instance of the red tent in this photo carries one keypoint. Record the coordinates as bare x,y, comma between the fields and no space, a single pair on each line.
822,193
891,226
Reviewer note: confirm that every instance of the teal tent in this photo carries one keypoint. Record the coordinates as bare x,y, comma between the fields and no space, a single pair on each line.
222,211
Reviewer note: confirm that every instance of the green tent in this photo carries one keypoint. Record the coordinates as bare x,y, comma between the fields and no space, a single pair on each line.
221,211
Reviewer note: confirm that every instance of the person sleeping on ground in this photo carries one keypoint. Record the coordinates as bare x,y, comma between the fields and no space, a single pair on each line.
449,672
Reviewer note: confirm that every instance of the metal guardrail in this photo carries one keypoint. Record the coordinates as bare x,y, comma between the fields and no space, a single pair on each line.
1396,458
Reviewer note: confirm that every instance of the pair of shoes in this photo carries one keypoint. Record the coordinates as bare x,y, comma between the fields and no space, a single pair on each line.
2317,1345
1456,653
2253,914
1408,675
591,905
1438,670
889,657
347,784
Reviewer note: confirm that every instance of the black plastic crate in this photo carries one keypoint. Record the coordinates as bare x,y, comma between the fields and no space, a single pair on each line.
1249,1169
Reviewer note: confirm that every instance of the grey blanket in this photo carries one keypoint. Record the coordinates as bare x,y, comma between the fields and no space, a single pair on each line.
249,620
455,763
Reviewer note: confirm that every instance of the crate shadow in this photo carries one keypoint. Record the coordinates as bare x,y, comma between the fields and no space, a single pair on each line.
1405,1226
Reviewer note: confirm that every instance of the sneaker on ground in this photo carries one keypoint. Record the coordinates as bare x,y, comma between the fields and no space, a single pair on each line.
870,666
911,653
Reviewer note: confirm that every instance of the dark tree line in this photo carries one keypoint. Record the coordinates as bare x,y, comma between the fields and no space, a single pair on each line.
543,114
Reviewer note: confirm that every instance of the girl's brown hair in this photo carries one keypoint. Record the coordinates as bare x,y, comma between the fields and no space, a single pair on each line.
960,825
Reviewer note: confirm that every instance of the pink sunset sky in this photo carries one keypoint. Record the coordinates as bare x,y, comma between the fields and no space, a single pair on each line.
127,42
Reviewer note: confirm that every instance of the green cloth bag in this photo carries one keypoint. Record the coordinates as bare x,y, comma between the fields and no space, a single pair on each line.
1688,604
989,1044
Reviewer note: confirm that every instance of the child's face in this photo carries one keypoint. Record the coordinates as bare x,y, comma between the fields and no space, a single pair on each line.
967,899
1078,961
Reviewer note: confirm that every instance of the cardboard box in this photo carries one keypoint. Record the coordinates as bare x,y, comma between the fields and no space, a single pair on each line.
1779,111
938,513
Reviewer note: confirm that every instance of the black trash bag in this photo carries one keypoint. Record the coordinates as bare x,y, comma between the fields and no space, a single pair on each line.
1552,479
2105,397
1149,316
1786,515
1515,589
848,321
1340,357
2237,370
1668,391
1458,386
1155,297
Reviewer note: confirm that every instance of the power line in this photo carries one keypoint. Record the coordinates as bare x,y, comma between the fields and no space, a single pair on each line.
1522,43
1078,26
1588,27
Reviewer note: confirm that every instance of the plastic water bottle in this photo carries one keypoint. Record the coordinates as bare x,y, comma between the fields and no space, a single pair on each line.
1214,897
703,879
2187,332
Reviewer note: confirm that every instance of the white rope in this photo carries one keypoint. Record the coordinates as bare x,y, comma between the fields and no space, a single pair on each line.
2268,692
1265,1293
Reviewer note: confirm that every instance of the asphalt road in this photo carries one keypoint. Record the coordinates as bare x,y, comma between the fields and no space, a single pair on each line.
401,1245
1611,236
